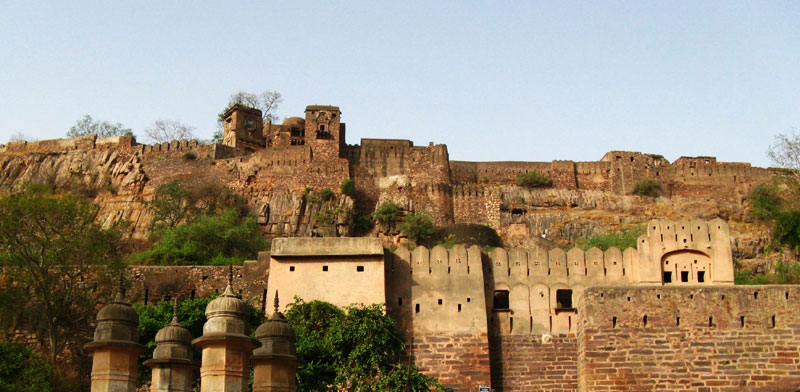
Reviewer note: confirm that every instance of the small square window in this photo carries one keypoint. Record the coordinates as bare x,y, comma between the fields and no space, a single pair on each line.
563,299
360,268
291,268
325,268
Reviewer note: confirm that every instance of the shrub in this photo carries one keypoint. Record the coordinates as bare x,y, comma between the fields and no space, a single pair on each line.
355,349
207,239
325,194
418,227
534,179
469,234
648,187
348,187
362,224
327,216
785,273
387,214
621,240
23,370
765,202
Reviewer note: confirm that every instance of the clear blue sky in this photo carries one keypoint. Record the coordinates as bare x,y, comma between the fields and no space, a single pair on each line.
498,80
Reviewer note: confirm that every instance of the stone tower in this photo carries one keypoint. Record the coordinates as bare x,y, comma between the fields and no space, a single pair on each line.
172,363
324,131
115,349
275,362
242,128
226,345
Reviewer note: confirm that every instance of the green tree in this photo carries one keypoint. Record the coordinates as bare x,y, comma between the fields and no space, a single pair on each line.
175,203
534,179
59,260
648,187
358,349
765,202
348,187
88,126
22,370
387,214
418,227
206,240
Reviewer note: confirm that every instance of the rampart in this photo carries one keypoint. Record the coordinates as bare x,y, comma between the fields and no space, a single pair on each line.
690,339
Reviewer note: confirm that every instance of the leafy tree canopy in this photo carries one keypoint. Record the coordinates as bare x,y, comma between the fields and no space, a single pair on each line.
358,348
418,227
206,240
57,262
88,126
22,370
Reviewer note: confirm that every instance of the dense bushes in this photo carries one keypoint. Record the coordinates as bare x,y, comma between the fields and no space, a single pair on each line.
358,348
534,179
785,273
418,227
621,240
387,214
206,239
348,187
22,370
648,187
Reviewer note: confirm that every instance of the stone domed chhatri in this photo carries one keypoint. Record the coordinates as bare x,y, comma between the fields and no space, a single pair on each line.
173,342
117,322
226,315
276,336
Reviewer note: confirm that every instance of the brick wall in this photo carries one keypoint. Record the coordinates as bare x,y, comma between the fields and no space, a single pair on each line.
459,361
525,363
691,339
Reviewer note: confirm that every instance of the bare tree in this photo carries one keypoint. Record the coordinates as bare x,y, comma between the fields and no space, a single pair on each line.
87,126
267,102
167,130
19,137
785,151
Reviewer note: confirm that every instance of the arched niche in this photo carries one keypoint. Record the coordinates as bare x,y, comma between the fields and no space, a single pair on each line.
685,267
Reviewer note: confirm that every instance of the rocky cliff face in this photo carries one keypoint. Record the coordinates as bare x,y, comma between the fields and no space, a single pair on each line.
282,188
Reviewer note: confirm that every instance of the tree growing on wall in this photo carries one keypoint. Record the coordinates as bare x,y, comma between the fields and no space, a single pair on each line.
57,265
534,179
418,227
88,126
168,130
356,349
387,214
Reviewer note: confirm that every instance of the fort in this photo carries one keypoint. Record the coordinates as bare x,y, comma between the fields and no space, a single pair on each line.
536,314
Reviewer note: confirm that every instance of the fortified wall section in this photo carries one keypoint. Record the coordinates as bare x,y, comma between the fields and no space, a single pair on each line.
438,297
690,339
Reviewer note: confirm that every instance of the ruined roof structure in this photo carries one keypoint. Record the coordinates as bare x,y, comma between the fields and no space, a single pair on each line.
538,314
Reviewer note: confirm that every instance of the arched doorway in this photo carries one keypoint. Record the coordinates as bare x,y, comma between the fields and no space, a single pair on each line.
685,267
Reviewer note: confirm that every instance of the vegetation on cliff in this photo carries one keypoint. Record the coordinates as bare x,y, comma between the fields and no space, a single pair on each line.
648,187
621,240
534,179
358,348
418,227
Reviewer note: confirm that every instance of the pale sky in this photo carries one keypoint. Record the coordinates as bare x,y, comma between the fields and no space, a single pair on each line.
494,80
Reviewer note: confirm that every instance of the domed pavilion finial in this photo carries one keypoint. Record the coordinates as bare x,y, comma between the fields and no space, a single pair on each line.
230,274
175,310
276,301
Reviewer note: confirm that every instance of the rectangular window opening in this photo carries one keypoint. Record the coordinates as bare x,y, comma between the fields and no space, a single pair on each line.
416,308
325,268
701,276
440,301
564,299
291,268
500,300
459,307
360,268
667,276
684,276
400,301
